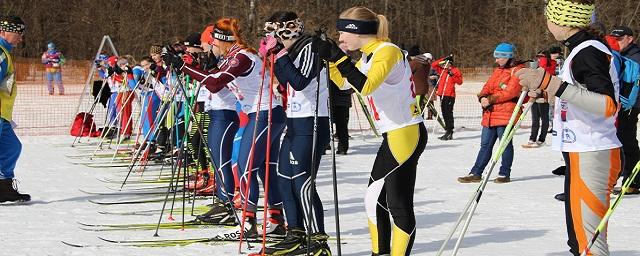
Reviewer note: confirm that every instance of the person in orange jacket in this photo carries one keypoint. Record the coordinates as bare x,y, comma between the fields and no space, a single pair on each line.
498,99
449,76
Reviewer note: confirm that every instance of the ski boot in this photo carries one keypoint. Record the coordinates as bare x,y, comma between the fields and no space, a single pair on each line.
275,225
317,247
295,238
9,192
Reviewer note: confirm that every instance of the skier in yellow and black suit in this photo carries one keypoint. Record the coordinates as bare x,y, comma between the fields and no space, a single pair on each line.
383,75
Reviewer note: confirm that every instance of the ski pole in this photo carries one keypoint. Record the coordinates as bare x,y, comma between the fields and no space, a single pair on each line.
435,88
334,175
314,143
249,166
607,215
268,155
480,188
504,142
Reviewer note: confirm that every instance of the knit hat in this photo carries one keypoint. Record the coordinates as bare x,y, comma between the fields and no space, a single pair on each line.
504,50
193,40
428,55
569,14
155,49
12,24
51,45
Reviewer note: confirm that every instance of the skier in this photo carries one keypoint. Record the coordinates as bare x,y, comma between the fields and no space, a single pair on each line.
53,60
498,99
204,182
11,31
628,119
383,75
240,68
586,93
296,67
448,77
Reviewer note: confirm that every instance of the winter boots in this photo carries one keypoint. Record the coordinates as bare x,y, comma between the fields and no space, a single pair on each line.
448,135
9,192
471,178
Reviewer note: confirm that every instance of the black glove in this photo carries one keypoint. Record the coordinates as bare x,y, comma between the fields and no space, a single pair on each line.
328,50
207,60
110,71
171,58
449,58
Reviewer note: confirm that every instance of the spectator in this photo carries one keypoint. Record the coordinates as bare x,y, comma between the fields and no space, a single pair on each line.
498,98
449,76
340,105
53,61
628,119
540,107
420,69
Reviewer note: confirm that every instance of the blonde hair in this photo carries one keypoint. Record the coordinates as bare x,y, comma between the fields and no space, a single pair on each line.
366,14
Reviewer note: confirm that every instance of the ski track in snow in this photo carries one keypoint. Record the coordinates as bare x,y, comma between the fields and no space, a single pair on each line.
518,218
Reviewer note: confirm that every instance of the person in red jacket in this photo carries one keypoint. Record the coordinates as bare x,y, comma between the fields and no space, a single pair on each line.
446,90
498,98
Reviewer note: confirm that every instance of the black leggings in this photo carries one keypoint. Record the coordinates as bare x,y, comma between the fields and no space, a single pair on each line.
539,111
446,104
390,190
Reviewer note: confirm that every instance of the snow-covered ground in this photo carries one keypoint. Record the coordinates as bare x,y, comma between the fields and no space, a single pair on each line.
518,218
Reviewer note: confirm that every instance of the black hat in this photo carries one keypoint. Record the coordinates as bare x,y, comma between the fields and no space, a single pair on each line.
621,31
12,24
555,49
193,40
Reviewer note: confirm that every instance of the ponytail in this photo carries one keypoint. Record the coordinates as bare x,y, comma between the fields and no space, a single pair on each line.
383,28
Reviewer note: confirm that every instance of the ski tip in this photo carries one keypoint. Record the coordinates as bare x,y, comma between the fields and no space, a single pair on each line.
72,245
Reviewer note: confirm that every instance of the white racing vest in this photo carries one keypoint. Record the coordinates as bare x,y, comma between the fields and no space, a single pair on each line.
249,86
576,130
392,104
303,103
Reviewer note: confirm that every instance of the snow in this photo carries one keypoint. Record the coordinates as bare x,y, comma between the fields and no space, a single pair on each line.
517,218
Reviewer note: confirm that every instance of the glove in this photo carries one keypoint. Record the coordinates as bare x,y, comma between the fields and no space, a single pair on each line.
188,59
329,50
171,58
449,58
450,72
532,79
263,47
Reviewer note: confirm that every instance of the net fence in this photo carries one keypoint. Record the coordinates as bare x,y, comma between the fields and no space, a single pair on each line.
38,113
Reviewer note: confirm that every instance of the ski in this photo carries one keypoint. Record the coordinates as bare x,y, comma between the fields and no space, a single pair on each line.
367,114
127,193
143,201
193,224
221,238
198,210
433,110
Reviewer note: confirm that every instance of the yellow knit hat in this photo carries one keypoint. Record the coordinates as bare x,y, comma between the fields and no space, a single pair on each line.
569,14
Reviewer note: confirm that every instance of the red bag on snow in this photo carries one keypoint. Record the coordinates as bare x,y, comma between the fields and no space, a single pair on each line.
84,126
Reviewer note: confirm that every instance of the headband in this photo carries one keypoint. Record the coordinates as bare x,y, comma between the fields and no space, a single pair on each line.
285,30
12,24
222,35
362,27
569,14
